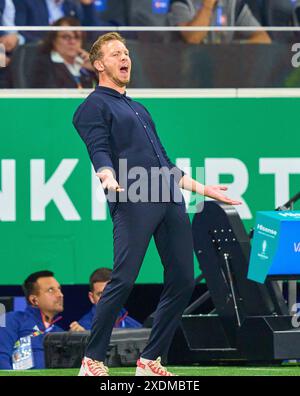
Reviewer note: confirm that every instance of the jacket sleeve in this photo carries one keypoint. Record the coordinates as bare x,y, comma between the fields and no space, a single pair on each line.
86,321
95,132
21,13
8,336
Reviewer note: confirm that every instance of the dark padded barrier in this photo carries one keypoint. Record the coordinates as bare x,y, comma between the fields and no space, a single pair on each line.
178,65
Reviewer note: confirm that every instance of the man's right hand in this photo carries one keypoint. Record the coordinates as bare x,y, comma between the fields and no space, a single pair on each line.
75,326
108,181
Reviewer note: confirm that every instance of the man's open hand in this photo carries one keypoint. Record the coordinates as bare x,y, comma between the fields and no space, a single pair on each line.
109,182
216,192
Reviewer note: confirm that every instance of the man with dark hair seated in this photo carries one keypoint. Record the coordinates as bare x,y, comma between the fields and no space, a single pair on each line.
21,340
98,280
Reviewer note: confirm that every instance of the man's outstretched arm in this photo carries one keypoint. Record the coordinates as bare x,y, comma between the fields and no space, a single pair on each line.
214,192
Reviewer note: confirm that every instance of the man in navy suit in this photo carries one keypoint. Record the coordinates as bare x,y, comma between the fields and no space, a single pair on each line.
45,12
122,142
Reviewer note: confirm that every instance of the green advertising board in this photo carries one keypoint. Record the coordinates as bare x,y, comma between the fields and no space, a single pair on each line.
50,218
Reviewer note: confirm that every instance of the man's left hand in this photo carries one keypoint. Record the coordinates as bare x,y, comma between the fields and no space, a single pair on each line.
216,192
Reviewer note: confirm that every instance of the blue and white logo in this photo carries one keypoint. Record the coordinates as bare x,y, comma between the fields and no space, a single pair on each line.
266,230
297,247
263,254
160,6
264,246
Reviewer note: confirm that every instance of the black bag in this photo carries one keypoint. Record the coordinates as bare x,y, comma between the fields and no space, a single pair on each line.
66,349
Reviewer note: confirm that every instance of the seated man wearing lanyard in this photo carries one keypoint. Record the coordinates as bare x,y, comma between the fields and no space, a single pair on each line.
21,340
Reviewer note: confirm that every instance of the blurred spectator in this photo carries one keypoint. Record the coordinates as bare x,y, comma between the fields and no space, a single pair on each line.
98,280
279,13
150,13
296,13
62,62
46,12
9,39
21,340
256,7
114,12
215,13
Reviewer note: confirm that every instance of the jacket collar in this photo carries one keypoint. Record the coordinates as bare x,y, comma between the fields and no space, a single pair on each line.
34,311
112,92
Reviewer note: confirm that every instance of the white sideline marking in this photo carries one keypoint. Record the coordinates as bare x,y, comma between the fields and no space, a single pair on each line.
173,93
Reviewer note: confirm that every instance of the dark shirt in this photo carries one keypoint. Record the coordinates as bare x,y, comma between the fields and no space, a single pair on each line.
114,127
124,321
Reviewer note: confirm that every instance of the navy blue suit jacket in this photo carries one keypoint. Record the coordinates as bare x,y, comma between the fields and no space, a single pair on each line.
2,4
115,127
35,13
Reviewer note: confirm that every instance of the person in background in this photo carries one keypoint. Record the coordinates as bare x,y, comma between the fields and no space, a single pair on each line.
10,39
98,280
47,12
62,62
21,340
219,13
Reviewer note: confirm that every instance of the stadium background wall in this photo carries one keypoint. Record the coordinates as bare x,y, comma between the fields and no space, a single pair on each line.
240,141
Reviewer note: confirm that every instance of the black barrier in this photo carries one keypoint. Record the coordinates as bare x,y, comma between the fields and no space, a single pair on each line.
179,65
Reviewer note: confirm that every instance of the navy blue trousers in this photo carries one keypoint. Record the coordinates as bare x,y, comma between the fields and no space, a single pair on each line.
134,226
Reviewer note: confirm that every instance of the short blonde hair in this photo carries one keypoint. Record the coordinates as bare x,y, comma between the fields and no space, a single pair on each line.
95,52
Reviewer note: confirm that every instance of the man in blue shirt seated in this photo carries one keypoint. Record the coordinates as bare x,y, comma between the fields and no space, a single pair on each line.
21,340
98,280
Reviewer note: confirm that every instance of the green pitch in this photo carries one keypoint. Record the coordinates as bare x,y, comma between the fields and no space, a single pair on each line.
287,370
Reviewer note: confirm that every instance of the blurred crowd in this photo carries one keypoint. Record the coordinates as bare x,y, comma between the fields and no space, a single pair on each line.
63,59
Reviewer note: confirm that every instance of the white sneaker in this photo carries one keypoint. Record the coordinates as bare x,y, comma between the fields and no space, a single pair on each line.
92,368
151,368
